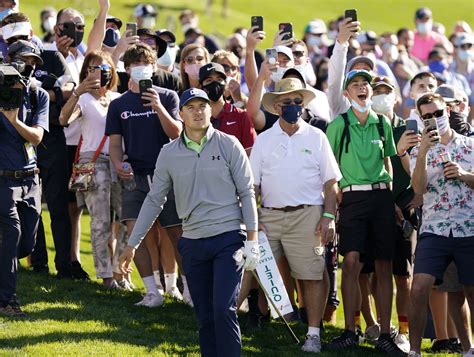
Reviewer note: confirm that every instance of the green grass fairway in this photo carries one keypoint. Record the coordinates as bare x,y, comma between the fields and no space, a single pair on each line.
82,318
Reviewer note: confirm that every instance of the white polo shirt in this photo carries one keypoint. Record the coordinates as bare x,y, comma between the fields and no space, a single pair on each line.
292,170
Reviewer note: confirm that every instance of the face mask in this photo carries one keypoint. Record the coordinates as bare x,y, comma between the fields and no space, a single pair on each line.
314,41
360,108
78,36
168,57
457,122
383,103
302,69
48,24
192,70
291,113
214,90
148,22
442,123
332,34
437,66
465,55
105,77
5,13
141,72
424,27
111,37
278,74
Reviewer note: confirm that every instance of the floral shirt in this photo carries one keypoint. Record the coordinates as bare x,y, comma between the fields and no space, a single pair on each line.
448,205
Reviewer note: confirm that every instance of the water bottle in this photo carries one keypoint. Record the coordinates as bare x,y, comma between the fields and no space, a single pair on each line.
129,184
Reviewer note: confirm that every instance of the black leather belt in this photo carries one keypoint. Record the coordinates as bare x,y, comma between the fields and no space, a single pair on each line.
20,174
288,208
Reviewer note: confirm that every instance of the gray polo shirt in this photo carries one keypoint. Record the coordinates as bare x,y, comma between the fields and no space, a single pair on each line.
213,189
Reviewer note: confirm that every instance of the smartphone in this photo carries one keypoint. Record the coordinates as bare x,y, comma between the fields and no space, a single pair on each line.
430,125
69,30
131,29
287,29
271,55
257,21
144,85
352,13
412,125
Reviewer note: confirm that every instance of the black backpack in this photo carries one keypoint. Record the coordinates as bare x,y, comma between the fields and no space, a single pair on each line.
346,136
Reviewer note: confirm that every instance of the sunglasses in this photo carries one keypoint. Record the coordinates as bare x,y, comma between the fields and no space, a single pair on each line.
466,46
228,68
436,114
298,54
192,59
102,67
289,101
79,26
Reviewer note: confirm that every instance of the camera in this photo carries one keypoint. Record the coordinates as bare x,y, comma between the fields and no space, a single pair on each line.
10,98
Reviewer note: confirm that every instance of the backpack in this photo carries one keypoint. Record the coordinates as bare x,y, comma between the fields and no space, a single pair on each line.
346,136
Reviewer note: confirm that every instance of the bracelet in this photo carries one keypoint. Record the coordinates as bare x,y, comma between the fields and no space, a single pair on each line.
402,155
329,215
75,94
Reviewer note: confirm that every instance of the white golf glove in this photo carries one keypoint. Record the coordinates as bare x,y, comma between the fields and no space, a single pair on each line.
251,254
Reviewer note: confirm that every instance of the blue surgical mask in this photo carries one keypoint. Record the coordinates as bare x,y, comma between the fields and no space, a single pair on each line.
437,66
291,113
359,107
465,55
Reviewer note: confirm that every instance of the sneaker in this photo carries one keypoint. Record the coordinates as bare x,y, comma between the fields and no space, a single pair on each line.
64,274
77,272
175,294
124,285
348,339
441,346
372,333
151,300
401,340
312,344
456,346
113,286
12,309
187,298
359,334
386,344
414,354
393,332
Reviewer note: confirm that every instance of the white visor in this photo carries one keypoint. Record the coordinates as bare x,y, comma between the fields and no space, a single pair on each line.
16,29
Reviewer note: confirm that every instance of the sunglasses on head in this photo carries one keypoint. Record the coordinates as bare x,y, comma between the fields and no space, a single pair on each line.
298,54
228,68
102,67
289,101
436,114
191,59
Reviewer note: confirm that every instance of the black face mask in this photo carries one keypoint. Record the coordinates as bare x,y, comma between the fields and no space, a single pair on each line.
457,123
214,90
77,36
105,77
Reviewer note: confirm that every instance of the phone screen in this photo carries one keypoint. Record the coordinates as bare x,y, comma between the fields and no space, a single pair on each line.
131,29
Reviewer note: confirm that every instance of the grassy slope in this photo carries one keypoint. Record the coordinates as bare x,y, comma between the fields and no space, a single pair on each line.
78,318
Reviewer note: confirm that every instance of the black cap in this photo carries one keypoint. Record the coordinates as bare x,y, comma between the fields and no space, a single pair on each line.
210,68
160,43
423,12
114,20
294,72
25,49
168,33
192,93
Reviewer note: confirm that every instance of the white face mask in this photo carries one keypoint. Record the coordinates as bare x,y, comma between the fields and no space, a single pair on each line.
49,23
442,123
314,41
302,69
168,57
359,107
465,55
148,22
383,103
424,27
278,74
332,34
141,72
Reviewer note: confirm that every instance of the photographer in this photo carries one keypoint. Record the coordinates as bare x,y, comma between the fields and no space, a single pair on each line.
23,119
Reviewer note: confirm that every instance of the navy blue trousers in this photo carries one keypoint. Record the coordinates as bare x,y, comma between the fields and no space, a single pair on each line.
20,208
214,284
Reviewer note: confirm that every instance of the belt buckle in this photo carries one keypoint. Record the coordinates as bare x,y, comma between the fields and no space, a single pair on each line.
17,174
376,186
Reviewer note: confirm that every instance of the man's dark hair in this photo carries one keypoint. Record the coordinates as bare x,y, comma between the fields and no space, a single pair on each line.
137,53
401,31
421,75
68,10
428,99
15,17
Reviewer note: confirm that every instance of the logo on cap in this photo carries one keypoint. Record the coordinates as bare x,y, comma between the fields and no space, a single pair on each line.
194,91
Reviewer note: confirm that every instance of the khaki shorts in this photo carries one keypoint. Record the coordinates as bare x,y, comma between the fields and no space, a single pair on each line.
293,234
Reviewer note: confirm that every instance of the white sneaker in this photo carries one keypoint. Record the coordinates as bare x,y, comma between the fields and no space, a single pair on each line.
174,293
151,300
124,285
187,298
312,344
414,354
372,333
402,342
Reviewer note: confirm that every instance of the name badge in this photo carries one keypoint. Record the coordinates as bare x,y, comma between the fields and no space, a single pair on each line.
30,153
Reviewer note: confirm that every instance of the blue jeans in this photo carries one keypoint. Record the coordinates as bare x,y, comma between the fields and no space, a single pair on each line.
214,284
20,208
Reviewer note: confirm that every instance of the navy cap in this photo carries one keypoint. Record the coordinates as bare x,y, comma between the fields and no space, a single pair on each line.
423,12
356,73
25,49
210,68
192,93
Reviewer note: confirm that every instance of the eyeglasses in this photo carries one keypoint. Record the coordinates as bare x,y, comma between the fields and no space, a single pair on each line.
228,68
466,46
102,67
298,54
193,59
150,41
436,114
289,101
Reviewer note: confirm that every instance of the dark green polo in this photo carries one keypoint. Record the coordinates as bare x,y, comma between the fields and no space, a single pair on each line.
363,163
